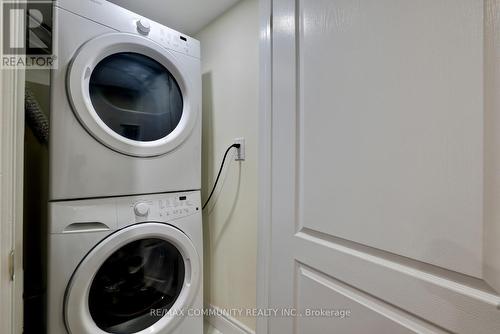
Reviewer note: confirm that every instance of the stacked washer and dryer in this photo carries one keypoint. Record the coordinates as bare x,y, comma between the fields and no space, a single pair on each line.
125,227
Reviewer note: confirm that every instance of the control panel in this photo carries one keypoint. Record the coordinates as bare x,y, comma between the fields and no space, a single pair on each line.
159,208
165,208
123,20
115,213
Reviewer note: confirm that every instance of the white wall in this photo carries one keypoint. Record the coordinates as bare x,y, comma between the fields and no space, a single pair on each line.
230,70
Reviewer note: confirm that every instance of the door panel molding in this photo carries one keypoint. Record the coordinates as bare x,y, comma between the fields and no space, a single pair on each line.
363,302
475,286
455,306
406,155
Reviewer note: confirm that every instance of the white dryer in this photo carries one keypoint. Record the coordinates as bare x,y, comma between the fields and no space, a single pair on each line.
125,104
126,265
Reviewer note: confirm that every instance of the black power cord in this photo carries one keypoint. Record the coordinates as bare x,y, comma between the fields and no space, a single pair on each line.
220,171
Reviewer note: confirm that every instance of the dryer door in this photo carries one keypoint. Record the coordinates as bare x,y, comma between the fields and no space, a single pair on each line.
131,94
138,280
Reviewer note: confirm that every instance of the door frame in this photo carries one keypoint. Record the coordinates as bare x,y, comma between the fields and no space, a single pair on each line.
11,198
265,127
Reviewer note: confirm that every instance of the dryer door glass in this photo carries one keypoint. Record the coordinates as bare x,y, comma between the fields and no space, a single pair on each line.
136,286
135,96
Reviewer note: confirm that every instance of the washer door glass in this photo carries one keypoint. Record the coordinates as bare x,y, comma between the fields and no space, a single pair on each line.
136,286
135,96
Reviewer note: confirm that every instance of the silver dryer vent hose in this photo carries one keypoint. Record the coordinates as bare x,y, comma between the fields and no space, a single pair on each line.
35,118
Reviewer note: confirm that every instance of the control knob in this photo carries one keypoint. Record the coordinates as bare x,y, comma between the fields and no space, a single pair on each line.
143,27
141,209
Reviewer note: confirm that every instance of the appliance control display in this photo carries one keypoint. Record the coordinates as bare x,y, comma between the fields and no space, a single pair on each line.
175,207
166,208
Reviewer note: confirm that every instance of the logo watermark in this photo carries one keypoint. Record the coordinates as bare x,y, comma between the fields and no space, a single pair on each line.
254,312
26,35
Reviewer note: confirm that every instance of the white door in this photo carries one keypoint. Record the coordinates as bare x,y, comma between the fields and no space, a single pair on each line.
385,154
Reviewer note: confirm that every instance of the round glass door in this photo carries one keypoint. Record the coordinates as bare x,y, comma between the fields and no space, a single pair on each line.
136,286
132,95
135,96
137,280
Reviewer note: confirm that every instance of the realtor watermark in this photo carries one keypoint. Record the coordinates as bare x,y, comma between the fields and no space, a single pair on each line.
254,312
26,35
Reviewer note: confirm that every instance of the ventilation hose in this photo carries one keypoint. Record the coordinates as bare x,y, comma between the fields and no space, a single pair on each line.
35,118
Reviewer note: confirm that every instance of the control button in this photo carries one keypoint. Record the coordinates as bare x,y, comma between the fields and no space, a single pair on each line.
141,209
143,27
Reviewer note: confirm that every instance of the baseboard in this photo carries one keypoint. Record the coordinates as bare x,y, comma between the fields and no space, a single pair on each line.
226,324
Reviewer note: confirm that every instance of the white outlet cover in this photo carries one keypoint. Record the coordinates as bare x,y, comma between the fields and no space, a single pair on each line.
241,152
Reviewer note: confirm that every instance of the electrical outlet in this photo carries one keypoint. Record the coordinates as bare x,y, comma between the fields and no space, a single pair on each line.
240,152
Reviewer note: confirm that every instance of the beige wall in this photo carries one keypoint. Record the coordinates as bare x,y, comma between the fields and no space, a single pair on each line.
230,68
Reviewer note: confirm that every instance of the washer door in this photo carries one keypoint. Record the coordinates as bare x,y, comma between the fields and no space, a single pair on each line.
135,281
131,94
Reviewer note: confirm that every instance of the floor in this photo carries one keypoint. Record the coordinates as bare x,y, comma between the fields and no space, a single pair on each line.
209,329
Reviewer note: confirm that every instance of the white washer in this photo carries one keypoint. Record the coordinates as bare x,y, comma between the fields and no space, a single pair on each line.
126,265
125,104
